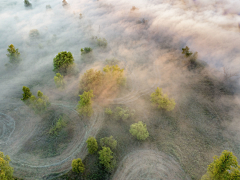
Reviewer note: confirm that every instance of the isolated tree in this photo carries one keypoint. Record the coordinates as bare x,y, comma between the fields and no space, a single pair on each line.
85,104
77,165
224,167
186,51
59,82
86,50
92,79
108,142
27,3
106,158
14,55
123,113
6,171
92,145
62,62
162,100
26,93
139,130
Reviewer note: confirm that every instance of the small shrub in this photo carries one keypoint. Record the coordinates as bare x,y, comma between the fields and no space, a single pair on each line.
40,103
26,93
6,172
108,111
59,82
108,142
14,56
77,166
86,50
92,145
139,130
102,42
85,104
123,114
162,100
60,124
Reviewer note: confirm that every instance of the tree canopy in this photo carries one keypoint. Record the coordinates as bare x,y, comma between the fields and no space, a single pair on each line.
62,62
224,167
77,165
26,93
85,104
59,82
139,130
92,145
162,100
86,50
6,171
108,142
106,158
14,56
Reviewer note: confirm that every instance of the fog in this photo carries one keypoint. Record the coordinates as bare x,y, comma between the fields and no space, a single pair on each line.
147,39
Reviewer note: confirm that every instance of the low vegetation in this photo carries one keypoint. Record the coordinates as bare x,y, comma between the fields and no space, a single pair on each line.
85,104
60,124
59,81
139,130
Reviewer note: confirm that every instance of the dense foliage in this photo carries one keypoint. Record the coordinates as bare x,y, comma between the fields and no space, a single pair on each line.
85,104
162,100
59,82
6,171
224,167
62,62
60,124
26,93
77,165
14,56
86,50
139,130
108,142
27,3
106,158
92,145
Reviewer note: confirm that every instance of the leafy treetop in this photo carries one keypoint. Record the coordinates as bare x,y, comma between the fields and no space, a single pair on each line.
77,165
108,142
6,171
92,145
63,61
162,100
224,167
106,158
26,93
13,54
85,104
139,130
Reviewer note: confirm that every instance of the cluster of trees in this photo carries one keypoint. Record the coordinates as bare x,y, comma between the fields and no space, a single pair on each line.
120,113
109,80
139,130
106,158
102,42
191,59
13,55
162,101
63,62
38,104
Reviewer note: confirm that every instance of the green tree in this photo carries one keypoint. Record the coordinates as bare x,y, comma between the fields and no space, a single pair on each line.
85,104
62,62
108,142
114,73
139,130
26,93
6,171
123,113
59,82
162,100
86,50
27,3
224,167
92,145
14,55
106,158
108,111
40,103
77,165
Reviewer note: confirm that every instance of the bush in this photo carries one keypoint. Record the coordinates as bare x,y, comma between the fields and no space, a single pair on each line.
92,145
106,158
6,171
108,111
85,104
59,82
77,165
108,142
162,100
14,56
139,130
62,62
33,34
86,50
60,124
27,3
114,73
124,114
